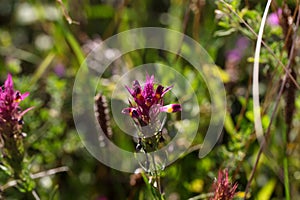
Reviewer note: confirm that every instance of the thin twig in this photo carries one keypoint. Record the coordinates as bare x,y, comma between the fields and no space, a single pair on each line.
50,172
65,13
8,185
265,45
35,195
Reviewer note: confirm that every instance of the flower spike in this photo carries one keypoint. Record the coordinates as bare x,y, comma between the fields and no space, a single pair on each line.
148,98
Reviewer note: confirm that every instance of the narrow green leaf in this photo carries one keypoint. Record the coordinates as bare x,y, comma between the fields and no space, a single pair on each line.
266,192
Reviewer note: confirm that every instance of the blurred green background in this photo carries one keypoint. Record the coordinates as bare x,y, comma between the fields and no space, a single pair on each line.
43,51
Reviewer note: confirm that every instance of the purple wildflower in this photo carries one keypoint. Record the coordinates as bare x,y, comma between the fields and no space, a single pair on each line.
274,18
223,189
60,70
242,43
148,101
234,55
10,112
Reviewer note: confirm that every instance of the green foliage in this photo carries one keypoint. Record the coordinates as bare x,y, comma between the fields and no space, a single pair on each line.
43,53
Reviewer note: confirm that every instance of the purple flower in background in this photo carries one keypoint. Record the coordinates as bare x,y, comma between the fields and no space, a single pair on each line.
234,57
148,101
60,70
223,189
274,18
236,54
10,112
242,43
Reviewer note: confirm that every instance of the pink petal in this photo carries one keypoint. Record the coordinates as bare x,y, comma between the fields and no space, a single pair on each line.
171,108
130,111
129,90
25,111
9,82
26,94
166,90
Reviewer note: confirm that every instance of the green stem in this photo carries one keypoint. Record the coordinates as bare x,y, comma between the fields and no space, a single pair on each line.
42,68
286,171
286,178
157,179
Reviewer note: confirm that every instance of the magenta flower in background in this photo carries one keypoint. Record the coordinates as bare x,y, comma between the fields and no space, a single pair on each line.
10,112
236,54
274,18
148,101
242,43
234,57
11,135
60,70
223,189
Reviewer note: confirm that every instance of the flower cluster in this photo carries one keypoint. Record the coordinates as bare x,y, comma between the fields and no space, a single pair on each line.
10,99
11,136
223,189
148,101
